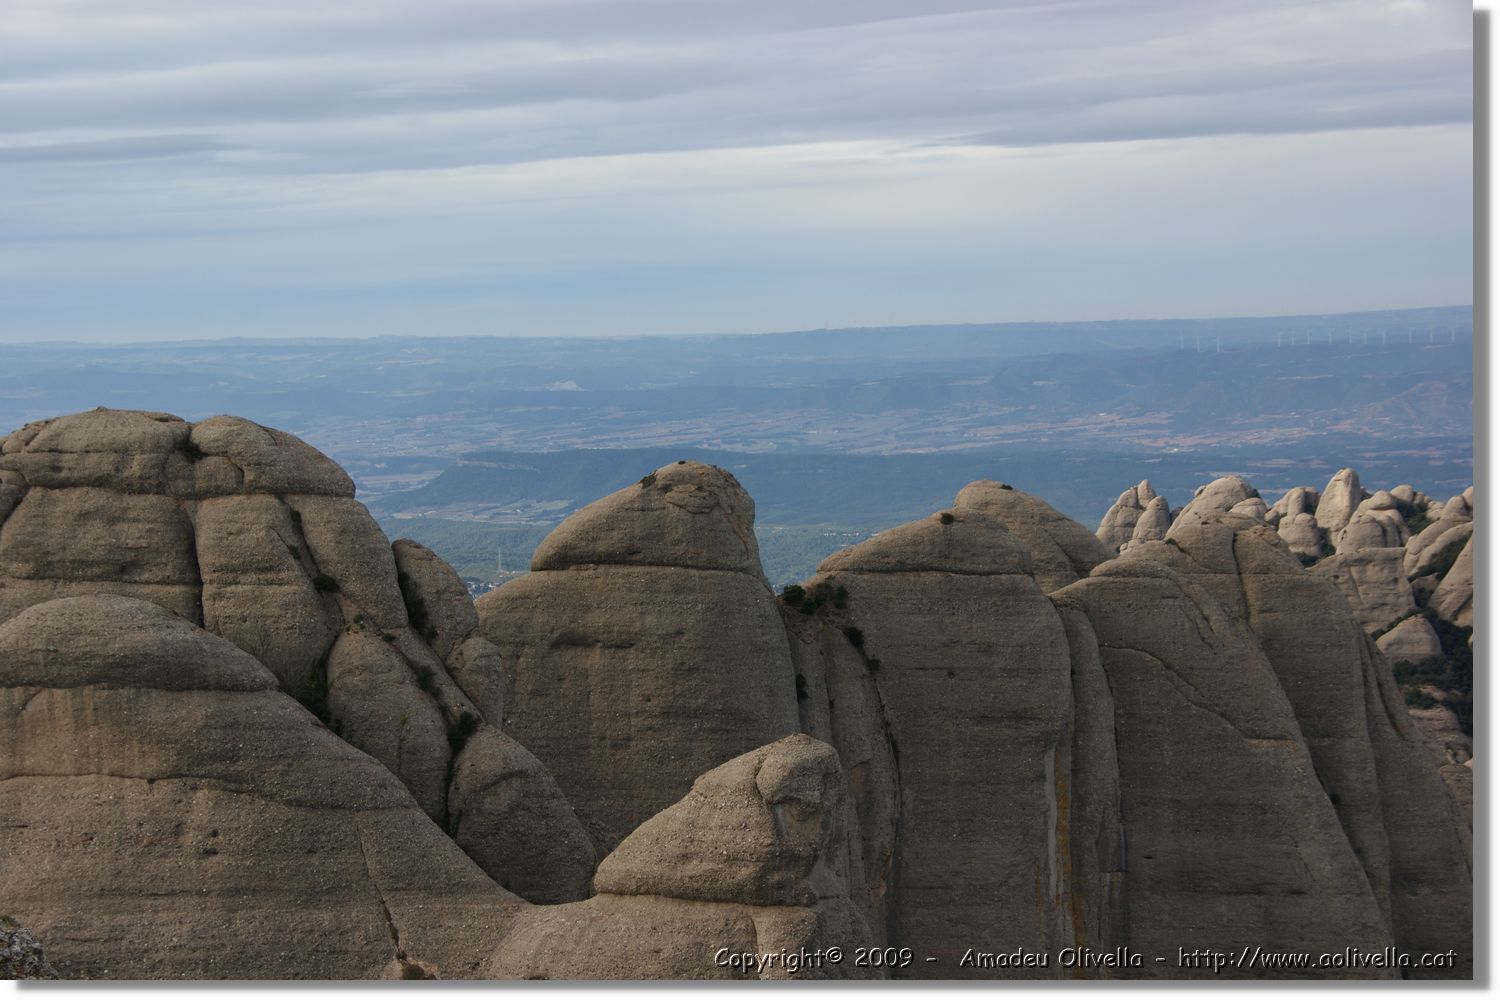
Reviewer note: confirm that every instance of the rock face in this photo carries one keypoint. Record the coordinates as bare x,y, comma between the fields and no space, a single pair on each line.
1209,747
979,723
198,785
755,858
1155,521
1376,524
644,648
971,670
256,536
1376,773
1412,641
1454,597
1340,498
1373,584
1062,550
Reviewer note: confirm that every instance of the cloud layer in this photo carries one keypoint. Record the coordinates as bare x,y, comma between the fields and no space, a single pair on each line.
176,168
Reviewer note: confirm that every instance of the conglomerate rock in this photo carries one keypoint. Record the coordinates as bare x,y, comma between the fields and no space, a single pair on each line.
255,535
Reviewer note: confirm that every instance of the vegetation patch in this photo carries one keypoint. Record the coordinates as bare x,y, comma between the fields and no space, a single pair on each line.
325,584
855,636
189,450
648,480
801,688
1451,673
946,517
811,601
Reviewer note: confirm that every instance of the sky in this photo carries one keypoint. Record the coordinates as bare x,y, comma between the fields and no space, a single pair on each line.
180,169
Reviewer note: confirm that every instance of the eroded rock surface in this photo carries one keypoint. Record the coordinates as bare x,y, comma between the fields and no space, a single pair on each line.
755,858
644,648
203,795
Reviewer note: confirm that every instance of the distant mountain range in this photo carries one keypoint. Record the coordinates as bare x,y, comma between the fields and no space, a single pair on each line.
845,429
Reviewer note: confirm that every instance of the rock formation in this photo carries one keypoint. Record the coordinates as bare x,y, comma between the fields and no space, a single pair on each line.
256,536
979,728
169,789
755,858
644,648
1118,526
1338,501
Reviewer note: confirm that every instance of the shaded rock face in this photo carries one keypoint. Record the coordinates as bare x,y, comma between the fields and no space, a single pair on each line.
1370,761
755,858
1209,748
199,785
1454,597
644,648
970,669
256,536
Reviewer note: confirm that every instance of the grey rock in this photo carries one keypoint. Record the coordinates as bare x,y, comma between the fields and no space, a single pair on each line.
1062,550
196,787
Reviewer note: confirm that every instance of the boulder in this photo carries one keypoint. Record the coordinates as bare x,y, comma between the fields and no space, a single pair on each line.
1376,524
1454,598
1338,501
1217,497
1373,583
1412,640
1435,548
255,535
509,816
753,860
1302,535
971,669
1154,524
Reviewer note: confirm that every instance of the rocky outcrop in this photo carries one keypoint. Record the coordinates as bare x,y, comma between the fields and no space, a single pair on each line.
644,648
1118,526
1062,550
1154,524
256,536
1372,582
1411,640
1377,523
971,671
1454,598
165,783
1209,748
755,858
976,723
1338,501
1388,797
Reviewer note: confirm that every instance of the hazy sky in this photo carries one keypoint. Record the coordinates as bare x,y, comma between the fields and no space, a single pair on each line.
182,168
